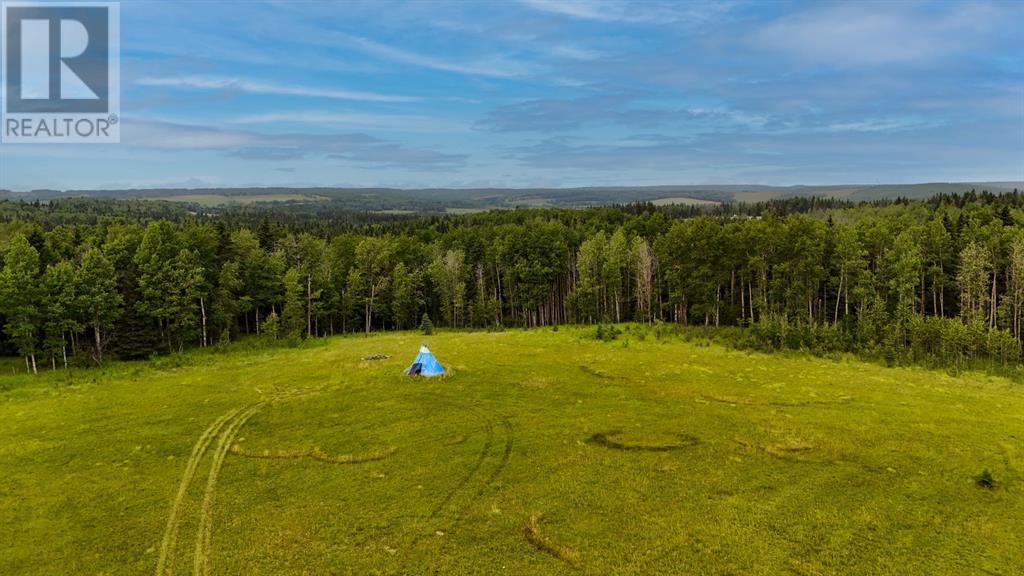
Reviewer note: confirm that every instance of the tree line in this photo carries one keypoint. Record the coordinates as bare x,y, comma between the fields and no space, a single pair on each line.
937,281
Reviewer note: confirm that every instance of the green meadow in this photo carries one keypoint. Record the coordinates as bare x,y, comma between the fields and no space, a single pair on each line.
543,452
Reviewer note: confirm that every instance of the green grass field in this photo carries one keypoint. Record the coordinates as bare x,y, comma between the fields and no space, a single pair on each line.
543,453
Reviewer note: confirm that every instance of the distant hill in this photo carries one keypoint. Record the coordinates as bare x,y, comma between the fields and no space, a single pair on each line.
473,199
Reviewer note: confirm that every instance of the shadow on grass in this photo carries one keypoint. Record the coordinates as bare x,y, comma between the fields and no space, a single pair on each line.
599,374
604,439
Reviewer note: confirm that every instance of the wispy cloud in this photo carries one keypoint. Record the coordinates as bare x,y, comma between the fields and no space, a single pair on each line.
394,155
583,9
390,122
574,52
251,145
492,66
628,91
881,125
564,154
552,115
200,82
527,37
651,11
874,34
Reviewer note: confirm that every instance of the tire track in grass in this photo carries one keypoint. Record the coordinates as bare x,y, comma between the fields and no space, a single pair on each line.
488,483
168,545
466,478
506,455
204,535
510,440
166,558
488,428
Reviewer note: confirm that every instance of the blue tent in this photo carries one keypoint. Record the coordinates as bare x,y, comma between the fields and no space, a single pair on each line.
425,364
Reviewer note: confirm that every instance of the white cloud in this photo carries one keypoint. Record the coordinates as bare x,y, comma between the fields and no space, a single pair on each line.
649,11
862,34
259,87
495,66
393,122
574,52
582,9
252,145
171,136
881,125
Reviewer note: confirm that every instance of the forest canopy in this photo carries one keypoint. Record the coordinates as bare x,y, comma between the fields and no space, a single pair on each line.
937,281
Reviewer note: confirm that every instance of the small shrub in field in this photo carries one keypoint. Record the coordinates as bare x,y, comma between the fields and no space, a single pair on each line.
291,341
985,480
426,325
607,333
271,327
659,329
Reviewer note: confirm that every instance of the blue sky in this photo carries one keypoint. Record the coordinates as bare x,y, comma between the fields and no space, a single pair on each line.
554,93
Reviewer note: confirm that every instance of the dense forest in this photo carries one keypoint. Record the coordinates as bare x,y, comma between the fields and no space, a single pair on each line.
938,281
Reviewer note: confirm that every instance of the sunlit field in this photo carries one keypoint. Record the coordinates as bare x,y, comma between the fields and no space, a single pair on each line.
543,452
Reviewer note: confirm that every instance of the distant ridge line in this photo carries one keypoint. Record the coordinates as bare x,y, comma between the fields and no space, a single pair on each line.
427,199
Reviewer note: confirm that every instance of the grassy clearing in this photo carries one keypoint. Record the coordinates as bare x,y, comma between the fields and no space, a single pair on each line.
544,453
